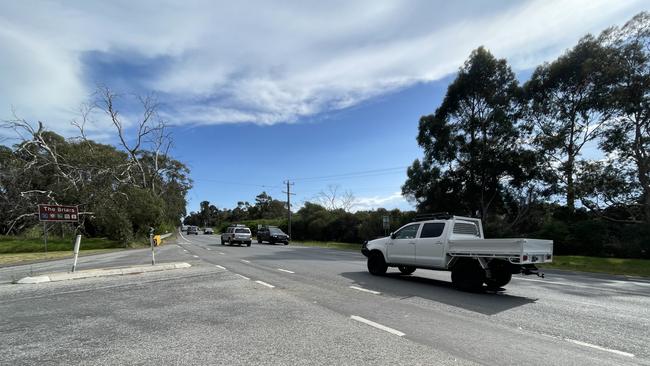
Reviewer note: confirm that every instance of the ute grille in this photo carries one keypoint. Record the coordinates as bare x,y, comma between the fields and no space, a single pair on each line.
465,229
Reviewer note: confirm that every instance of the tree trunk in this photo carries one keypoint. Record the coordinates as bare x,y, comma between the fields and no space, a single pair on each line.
570,186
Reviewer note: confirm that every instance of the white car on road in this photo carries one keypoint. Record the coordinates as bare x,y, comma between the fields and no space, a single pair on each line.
457,244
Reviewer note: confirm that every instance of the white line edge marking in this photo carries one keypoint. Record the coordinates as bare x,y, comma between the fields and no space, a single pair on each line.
265,284
621,353
365,290
218,266
285,270
245,261
181,233
377,325
244,277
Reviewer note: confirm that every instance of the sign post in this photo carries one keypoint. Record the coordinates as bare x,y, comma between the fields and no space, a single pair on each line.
56,213
77,243
385,220
45,236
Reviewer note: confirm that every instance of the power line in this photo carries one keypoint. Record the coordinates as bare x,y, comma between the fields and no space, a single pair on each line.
235,183
355,174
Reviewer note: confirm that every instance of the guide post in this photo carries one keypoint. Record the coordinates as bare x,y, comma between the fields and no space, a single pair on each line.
153,254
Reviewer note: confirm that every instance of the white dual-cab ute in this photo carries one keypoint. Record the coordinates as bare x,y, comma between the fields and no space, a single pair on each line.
455,243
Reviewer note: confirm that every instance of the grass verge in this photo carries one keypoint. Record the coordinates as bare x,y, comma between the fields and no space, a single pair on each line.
330,244
619,266
16,258
17,244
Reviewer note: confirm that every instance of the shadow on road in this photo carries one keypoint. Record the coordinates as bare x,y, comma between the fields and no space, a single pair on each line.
394,284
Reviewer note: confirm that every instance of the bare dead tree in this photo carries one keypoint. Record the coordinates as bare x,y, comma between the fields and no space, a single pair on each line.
147,125
332,199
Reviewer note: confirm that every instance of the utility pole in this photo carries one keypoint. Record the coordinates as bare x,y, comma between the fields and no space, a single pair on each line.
289,194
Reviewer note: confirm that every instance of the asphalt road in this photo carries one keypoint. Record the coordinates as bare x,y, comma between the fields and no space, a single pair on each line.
276,304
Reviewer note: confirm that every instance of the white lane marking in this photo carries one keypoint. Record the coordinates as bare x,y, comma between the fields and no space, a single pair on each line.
181,233
208,249
244,277
621,353
222,253
285,270
195,256
365,290
245,261
265,284
218,266
377,325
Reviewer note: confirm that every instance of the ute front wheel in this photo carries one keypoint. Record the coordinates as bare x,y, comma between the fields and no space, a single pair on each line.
376,264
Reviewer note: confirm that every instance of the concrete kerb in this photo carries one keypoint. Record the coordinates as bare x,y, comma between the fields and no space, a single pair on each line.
103,272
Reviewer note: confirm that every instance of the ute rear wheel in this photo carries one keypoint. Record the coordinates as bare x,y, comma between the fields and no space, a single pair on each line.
467,275
500,275
376,264
406,270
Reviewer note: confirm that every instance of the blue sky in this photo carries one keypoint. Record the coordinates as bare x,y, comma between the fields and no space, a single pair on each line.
258,92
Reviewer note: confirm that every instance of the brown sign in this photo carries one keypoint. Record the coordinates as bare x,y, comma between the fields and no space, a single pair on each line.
58,213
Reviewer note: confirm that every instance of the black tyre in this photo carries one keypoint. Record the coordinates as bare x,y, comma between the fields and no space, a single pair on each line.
467,275
222,242
259,241
406,270
248,244
500,274
376,264
286,243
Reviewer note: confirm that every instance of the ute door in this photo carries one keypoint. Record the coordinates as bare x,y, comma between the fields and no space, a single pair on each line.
430,247
401,248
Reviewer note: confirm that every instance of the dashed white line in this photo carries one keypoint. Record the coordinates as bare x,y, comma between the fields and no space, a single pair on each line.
208,249
365,290
377,325
195,256
222,253
285,270
621,353
218,266
265,284
245,261
244,277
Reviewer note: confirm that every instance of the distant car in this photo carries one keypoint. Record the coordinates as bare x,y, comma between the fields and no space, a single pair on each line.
208,231
184,228
238,234
192,230
273,235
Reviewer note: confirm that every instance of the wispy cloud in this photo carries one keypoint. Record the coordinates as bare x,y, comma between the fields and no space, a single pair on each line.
394,200
263,63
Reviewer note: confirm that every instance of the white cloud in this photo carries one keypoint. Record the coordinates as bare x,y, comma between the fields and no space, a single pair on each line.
266,63
394,200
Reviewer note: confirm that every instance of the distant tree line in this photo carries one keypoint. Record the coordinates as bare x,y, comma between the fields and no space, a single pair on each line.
325,220
564,156
121,191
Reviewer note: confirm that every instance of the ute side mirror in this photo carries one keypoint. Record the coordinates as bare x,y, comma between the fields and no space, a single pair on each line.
393,235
